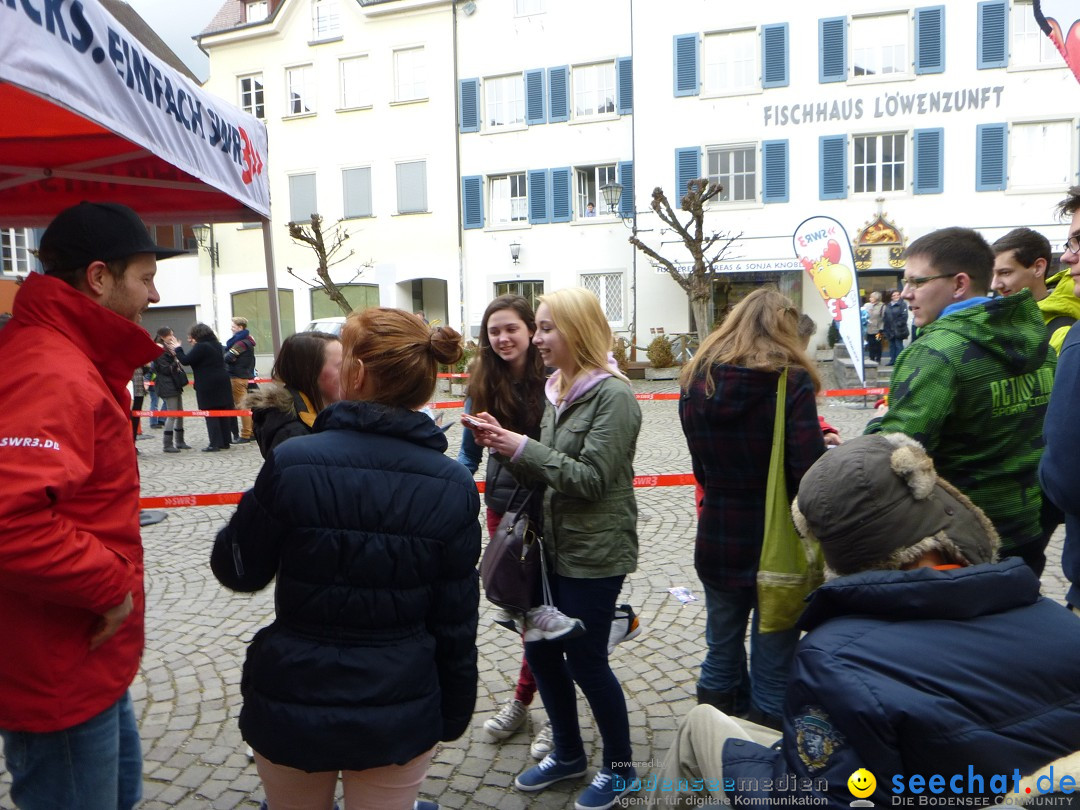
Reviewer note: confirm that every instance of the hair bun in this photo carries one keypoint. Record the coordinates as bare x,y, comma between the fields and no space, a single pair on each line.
445,345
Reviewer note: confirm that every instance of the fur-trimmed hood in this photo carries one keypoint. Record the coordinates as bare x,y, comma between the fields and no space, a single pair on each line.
274,397
876,502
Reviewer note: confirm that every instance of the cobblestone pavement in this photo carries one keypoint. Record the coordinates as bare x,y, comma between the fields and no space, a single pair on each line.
187,693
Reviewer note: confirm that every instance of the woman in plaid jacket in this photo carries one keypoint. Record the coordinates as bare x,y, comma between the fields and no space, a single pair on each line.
727,411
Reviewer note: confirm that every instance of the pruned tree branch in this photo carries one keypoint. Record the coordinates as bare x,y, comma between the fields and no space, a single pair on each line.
705,249
313,236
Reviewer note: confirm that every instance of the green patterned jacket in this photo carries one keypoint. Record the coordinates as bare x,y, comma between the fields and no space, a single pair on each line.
973,389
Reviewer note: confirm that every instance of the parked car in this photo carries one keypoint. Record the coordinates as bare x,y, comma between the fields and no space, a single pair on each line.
331,325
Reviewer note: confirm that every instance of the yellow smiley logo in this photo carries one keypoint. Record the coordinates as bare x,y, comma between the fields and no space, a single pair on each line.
861,783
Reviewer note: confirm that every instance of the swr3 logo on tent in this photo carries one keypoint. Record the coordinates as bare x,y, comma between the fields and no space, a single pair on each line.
253,162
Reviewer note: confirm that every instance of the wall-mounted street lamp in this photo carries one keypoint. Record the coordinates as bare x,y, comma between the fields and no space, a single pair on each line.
612,194
204,235
515,251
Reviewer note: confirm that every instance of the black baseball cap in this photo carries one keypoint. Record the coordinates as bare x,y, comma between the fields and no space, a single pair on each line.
96,231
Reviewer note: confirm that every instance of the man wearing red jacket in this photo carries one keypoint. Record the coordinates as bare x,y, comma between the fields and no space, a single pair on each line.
71,560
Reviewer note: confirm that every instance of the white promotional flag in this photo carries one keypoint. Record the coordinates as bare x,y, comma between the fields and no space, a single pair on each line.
823,248
78,57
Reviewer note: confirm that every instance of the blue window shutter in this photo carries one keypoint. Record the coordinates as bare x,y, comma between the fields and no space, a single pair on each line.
687,168
535,97
990,157
929,161
774,55
624,75
774,167
832,47
686,65
472,202
930,39
625,173
993,34
561,205
469,103
559,94
833,167
538,196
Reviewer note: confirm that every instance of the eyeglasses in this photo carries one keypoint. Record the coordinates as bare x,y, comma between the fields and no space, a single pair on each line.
1072,244
918,281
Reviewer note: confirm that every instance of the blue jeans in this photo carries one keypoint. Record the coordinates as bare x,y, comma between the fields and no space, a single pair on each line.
558,665
895,347
96,765
725,667
156,420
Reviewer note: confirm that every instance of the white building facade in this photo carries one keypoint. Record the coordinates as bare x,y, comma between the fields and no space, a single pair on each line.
511,115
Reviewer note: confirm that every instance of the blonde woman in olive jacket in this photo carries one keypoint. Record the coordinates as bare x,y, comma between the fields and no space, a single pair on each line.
585,458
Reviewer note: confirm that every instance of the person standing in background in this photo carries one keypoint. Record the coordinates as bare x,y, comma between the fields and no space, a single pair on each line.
213,391
240,363
895,325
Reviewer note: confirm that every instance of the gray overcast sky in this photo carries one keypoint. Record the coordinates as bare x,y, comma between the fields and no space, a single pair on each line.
177,23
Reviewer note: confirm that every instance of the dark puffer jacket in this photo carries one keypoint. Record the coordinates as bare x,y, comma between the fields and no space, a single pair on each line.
373,536
921,672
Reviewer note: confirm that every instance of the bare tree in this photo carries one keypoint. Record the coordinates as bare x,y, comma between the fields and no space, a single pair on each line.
705,249
326,246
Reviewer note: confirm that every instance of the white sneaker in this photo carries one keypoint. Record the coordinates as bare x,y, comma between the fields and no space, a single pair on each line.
624,627
544,743
508,720
548,623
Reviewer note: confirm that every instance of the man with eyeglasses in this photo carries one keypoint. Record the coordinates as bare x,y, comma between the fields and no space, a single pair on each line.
1022,258
973,388
1062,431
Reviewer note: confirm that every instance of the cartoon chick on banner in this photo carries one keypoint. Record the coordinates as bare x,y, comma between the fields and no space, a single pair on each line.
823,247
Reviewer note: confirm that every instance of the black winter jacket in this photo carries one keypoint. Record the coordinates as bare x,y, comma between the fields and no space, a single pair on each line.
373,536
169,376
213,391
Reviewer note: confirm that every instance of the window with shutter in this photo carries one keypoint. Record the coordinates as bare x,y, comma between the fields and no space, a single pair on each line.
504,98
833,167
559,94
538,196
687,168
624,75
729,62
774,170
686,65
929,160
302,198
990,143
1040,155
412,187
879,46
993,35
587,184
930,39
356,190
774,55
469,104
735,169
832,49
472,202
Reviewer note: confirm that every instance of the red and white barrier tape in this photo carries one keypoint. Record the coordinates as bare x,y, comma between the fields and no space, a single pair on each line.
227,498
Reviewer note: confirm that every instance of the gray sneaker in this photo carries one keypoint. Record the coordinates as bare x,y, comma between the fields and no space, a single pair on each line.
544,743
507,721
549,623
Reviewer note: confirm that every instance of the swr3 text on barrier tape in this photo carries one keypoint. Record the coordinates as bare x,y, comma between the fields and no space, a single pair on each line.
459,403
227,498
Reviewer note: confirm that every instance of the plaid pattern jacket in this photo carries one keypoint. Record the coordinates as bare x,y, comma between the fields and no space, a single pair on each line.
973,389
730,437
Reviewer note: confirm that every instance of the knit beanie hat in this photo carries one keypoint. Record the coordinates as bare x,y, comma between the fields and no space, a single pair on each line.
876,502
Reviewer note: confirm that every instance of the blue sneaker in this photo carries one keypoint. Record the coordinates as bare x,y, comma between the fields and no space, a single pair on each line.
550,771
607,788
